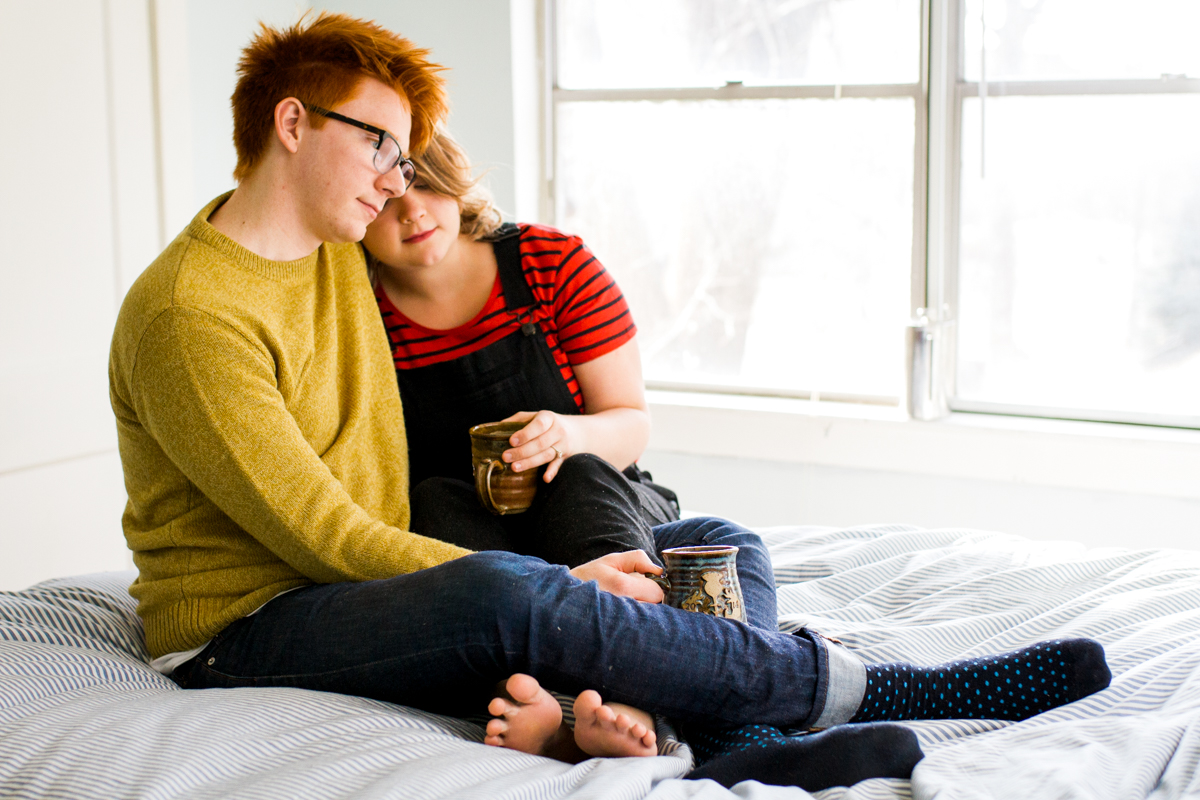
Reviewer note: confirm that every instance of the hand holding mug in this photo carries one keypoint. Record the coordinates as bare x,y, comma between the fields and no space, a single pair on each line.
703,578
623,574
544,440
500,489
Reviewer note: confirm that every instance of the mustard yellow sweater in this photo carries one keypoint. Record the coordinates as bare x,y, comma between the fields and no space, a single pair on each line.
260,432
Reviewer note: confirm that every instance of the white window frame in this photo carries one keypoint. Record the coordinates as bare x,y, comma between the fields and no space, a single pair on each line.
938,97
953,90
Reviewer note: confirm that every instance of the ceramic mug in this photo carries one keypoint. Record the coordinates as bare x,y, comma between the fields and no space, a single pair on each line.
499,489
704,579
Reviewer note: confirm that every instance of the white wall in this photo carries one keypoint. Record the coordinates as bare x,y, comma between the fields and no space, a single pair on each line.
79,220
470,37
80,224
756,492
122,135
771,461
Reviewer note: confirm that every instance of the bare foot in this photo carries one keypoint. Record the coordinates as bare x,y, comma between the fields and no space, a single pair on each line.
612,730
527,718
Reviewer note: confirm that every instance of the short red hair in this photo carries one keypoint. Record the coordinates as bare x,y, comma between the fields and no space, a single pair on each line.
321,61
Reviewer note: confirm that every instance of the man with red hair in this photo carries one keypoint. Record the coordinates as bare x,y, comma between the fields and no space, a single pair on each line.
263,446
259,422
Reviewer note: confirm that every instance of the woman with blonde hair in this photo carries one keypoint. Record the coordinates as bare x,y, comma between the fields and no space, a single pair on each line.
491,321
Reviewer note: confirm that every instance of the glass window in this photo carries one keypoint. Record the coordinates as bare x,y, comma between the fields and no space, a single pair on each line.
710,42
763,244
1080,253
766,243
1079,213
1076,39
753,172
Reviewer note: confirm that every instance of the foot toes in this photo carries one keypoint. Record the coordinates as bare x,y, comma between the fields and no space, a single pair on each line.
587,702
500,707
525,716
523,688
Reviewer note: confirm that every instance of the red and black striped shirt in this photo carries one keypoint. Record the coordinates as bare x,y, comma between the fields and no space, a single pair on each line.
578,307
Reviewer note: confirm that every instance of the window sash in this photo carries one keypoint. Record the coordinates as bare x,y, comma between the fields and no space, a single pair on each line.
1080,87
735,91
944,196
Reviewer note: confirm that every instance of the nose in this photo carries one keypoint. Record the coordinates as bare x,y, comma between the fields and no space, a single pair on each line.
391,183
409,208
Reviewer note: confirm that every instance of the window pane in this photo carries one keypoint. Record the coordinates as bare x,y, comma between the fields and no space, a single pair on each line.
1073,39
656,43
761,243
1080,253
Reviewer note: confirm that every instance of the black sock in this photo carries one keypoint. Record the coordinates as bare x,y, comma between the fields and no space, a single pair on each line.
1013,685
840,756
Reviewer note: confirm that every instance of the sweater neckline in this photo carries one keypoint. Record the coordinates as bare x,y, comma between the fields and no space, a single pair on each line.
201,229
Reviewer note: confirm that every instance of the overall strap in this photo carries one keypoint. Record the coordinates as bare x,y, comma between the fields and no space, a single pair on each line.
520,303
518,297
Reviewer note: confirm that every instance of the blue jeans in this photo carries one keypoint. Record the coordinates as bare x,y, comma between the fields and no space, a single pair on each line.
441,638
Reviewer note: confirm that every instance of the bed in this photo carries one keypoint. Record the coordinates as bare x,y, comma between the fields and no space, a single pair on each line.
82,715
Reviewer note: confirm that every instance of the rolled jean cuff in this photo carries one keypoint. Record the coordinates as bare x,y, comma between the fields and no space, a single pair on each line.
841,683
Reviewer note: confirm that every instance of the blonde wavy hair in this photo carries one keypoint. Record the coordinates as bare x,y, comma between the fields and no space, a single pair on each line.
445,169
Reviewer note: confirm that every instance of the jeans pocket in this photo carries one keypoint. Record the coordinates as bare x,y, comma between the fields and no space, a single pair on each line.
217,665
184,674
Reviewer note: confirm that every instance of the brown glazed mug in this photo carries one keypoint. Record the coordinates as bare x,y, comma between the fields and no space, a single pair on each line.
704,579
499,489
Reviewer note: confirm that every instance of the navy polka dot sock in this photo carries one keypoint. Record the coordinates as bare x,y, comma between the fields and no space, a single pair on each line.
709,743
840,756
1013,685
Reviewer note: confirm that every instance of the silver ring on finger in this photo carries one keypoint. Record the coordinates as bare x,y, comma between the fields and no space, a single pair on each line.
557,453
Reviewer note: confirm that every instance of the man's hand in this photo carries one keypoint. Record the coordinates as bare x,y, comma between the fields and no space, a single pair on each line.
620,574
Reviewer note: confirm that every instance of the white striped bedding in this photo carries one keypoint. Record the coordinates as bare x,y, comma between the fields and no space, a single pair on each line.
82,715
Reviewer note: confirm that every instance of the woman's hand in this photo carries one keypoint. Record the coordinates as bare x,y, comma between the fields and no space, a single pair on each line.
621,574
614,426
546,439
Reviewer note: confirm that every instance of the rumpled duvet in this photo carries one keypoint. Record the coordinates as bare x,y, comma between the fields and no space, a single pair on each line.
82,715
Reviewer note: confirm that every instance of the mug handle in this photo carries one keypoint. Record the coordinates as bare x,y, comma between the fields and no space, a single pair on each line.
662,580
486,475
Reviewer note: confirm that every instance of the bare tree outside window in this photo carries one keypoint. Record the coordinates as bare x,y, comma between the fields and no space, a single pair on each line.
761,243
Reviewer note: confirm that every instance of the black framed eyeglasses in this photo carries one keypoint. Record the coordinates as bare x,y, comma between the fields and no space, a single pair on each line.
387,149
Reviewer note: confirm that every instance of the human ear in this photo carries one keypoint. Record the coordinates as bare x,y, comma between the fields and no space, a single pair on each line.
288,113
